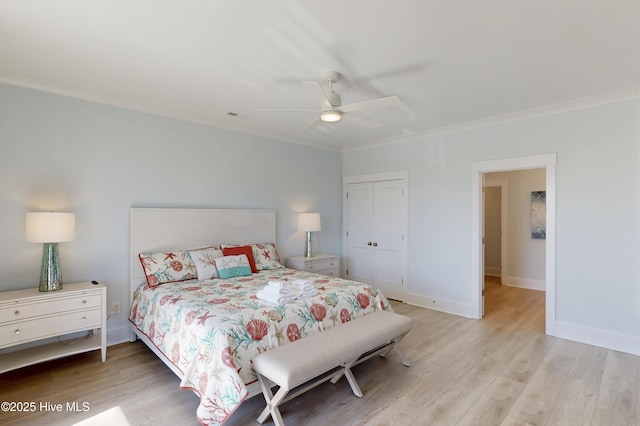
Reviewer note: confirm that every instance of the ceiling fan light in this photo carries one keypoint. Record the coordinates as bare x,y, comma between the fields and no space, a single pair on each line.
331,116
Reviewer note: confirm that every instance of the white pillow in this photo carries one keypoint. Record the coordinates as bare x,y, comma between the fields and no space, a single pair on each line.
205,262
233,266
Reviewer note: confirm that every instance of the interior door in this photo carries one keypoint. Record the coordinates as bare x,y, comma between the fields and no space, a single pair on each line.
359,238
387,238
376,220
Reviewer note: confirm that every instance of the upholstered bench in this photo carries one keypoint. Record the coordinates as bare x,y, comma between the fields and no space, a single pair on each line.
304,364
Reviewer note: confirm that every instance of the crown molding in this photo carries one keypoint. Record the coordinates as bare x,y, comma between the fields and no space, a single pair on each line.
562,107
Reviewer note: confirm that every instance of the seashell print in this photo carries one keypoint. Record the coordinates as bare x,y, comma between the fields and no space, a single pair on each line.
257,329
331,301
318,312
363,300
275,315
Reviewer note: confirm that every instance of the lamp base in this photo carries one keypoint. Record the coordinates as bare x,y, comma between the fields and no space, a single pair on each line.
308,248
50,274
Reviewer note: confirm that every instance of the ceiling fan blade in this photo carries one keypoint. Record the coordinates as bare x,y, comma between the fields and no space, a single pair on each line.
391,101
311,125
364,122
288,110
316,91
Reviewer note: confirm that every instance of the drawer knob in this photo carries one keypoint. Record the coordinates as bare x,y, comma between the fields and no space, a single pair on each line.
17,331
84,318
17,312
84,302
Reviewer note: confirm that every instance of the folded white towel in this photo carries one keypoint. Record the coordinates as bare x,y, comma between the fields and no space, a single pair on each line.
284,291
307,293
302,285
277,299
277,284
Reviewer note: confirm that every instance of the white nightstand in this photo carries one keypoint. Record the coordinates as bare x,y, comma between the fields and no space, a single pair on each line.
325,264
29,315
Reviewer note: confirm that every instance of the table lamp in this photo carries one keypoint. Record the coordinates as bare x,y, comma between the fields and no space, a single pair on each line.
50,228
309,222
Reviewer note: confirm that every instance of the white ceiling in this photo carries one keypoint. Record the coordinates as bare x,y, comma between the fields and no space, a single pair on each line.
450,62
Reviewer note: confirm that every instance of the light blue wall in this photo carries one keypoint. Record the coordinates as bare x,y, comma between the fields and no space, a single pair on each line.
58,153
598,209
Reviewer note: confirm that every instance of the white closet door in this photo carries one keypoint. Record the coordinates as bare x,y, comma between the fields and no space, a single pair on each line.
387,237
376,220
359,237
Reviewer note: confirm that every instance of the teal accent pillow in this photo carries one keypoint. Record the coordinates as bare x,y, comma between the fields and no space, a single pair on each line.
233,266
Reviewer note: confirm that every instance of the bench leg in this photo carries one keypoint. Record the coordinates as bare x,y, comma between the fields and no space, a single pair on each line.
272,403
346,370
394,344
352,382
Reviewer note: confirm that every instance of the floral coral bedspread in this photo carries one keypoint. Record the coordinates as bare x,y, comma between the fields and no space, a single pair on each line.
211,330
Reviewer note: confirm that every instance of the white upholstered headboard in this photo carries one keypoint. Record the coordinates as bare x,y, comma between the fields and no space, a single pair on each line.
155,229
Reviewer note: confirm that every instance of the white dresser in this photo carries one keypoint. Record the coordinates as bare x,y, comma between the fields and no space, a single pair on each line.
30,315
325,264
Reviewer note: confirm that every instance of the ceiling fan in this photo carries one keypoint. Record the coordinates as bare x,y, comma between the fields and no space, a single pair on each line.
331,109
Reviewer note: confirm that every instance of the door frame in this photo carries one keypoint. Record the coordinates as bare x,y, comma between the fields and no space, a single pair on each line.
503,184
478,168
402,175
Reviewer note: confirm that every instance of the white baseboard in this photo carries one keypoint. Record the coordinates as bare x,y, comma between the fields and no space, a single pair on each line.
524,283
494,271
442,305
608,339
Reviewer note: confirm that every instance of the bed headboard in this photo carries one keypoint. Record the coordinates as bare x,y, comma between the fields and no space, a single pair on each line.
154,229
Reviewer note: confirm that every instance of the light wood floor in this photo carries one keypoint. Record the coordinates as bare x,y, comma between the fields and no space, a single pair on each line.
498,370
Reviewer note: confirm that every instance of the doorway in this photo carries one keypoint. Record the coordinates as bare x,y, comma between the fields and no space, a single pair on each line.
546,162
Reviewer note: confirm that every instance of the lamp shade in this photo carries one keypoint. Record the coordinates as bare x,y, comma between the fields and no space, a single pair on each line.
50,227
309,222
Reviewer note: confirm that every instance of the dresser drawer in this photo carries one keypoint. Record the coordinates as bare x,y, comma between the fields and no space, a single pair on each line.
42,327
24,310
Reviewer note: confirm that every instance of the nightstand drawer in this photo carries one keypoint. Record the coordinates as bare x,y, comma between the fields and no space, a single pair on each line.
330,272
24,310
319,265
42,327
325,264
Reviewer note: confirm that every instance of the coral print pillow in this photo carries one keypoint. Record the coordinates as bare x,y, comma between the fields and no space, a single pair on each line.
204,259
233,266
266,256
166,267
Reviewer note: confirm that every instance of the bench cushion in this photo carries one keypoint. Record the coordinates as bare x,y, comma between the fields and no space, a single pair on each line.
296,363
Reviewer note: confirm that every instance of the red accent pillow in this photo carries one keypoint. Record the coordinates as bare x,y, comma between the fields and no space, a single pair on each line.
234,251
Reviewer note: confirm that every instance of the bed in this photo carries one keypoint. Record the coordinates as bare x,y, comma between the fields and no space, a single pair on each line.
207,331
